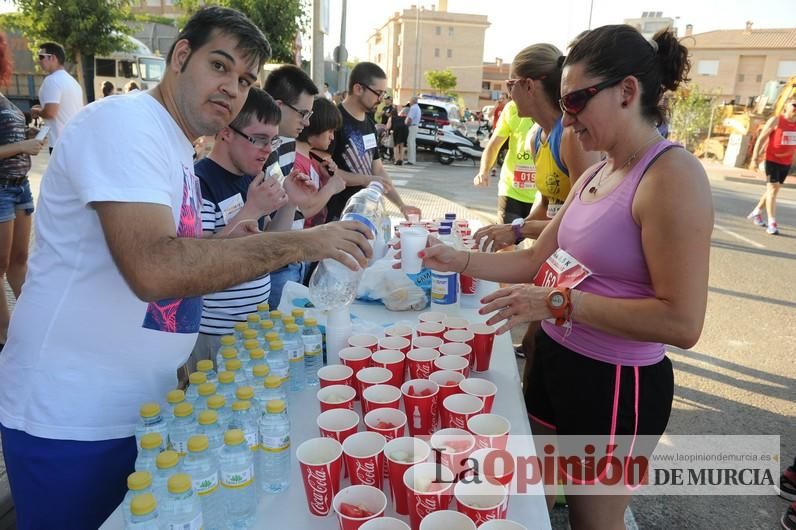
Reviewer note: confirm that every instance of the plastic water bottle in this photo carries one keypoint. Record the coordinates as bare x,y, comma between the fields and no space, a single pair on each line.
181,507
205,391
276,318
244,420
194,380
266,326
167,463
274,389
206,367
138,483
235,366
295,354
238,329
298,316
275,447
218,404
246,393
256,358
445,285
230,341
173,398
143,513
149,450
151,421
183,427
209,427
225,354
259,373
312,339
226,386
278,361
263,310
249,345
201,464
237,480
288,319
253,321
272,336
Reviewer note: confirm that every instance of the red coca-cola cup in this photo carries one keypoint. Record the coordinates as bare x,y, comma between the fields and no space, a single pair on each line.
357,358
452,447
385,523
453,364
399,330
429,488
501,524
428,341
390,423
320,461
431,316
457,349
394,361
373,375
364,458
401,454
401,344
358,504
430,329
336,397
460,335
481,502
420,362
420,404
364,340
459,408
496,466
336,374
380,396
452,323
338,423
447,520
467,283
482,389
484,339
448,383
490,430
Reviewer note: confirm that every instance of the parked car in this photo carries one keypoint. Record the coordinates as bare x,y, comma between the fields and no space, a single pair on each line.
436,113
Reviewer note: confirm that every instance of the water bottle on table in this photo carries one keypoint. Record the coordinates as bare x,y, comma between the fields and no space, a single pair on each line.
205,391
236,367
181,507
278,361
151,421
226,386
237,480
206,367
143,513
218,404
150,448
274,389
201,464
138,483
173,398
263,310
183,427
243,420
209,427
295,354
167,463
274,448
312,339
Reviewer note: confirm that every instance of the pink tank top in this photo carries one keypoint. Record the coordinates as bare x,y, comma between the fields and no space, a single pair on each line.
604,237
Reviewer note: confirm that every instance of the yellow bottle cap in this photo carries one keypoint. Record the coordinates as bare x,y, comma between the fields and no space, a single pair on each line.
297,313
291,328
275,314
175,396
198,443
257,353
151,440
233,437
276,344
227,340
226,377
310,322
143,504
271,336
244,393
207,389
205,365
288,319
216,402
139,480
241,405
273,381
208,417
182,410
263,308
251,344
261,370
149,410
249,334
167,460
275,406
179,483
253,318
240,326
197,378
266,324
233,365
229,353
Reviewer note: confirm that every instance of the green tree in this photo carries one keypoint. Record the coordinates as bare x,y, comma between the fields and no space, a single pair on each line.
690,119
279,20
84,27
441,80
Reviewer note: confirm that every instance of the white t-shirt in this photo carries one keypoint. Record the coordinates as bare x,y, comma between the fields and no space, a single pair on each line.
60,87
83,352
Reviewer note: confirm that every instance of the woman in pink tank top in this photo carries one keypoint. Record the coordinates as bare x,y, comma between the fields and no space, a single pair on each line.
621,271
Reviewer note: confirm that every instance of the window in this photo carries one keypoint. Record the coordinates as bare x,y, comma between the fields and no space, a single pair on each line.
438,30
485,85
436,52
759,78
708,67
450,31
740,78
152,68
786,68
128,69
450,53
105,67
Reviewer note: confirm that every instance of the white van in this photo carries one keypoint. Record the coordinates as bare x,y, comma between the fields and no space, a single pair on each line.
139,65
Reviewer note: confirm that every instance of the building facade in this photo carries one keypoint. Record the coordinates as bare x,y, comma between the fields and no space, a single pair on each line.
493,82
650,23
161,8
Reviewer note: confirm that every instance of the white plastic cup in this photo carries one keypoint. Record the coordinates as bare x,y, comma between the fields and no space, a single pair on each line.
413,241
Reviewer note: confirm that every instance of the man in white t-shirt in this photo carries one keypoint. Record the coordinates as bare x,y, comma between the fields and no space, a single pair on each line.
413,121
112,299
60,96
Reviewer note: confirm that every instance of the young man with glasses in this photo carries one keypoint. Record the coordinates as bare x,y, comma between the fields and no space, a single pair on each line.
60,96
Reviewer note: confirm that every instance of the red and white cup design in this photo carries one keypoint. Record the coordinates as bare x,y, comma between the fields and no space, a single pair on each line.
481,502
394,361
385,523
447,520
482,346
431,316
501,524
380,396
401,454
320,461
491,431
336,374
359,497
390,423
460,335
428,341
467,283
399,330
430,329
373,375
364,458
457,349
338,423
452,323
482,389
448,382
421,405
401,344
363,340
452,447
424,495
336,397
420,362
453,364
459,408
496,466
356,358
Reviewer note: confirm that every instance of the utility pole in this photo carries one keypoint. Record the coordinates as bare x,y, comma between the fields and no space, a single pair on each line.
417,51
343,56
591,9
317,45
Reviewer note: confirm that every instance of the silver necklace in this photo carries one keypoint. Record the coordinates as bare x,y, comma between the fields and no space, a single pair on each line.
593,189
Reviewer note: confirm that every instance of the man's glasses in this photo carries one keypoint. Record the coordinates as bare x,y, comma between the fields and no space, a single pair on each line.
259,143
305,114
574,102
379,93
43,56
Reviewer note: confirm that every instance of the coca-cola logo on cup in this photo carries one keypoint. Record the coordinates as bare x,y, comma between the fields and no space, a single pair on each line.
482,517
318,480
482,443
457,421
366,472
425,504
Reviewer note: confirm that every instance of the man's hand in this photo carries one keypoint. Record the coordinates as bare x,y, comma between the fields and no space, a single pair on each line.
327,167
343,241
407,210
300,189
31,147
336,184
265,195
754,164
246,227
481,181
496,236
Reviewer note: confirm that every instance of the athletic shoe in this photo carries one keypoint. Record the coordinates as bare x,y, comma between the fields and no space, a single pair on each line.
399,162
788,520
756,219
772,229
787,484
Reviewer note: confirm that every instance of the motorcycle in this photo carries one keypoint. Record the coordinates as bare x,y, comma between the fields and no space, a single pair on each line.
453,145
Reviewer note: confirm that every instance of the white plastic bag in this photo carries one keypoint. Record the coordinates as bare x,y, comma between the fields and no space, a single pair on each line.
397,292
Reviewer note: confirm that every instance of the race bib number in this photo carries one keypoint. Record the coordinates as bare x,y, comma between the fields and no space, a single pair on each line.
561,270
369,140
524,176
230,207
789,138
553,207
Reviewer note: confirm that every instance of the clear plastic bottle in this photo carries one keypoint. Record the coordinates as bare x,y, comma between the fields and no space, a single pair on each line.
238,329
138,483
218,404
173,398
243,418
209,426
206,367
256,357
259,373
266,326
271,336
181,508
167,463
237,480
225,354
230,341
205,391
274,389
249,343
151,421
194,380
295,355
312,339
226,386
253,321
143,512
183,427
298,316
263,310
288,319
246,393
276,317
275,448
150,448
239,375
278,361
201,463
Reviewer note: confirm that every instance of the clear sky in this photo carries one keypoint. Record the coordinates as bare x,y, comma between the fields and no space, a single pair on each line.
519,23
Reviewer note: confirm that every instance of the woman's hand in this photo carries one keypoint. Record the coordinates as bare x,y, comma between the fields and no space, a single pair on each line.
438,256
518,304
495,237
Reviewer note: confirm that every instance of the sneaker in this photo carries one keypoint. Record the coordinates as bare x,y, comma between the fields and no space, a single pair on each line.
788,520
772,229
787,484
756,219
398,162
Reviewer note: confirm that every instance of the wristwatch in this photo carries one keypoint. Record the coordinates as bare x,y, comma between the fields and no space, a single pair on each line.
516,227
560,304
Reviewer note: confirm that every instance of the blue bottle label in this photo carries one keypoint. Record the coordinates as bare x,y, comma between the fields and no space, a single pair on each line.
362,219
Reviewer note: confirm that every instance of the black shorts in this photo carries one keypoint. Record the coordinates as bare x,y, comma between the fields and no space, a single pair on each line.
776,173
510,209
577,395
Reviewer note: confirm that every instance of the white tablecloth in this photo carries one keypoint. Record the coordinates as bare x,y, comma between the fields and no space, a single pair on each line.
288,510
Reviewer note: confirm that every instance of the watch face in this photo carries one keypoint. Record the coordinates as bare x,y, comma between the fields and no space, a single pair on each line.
557,300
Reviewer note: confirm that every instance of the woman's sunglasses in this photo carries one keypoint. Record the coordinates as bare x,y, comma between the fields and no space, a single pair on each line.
576,101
